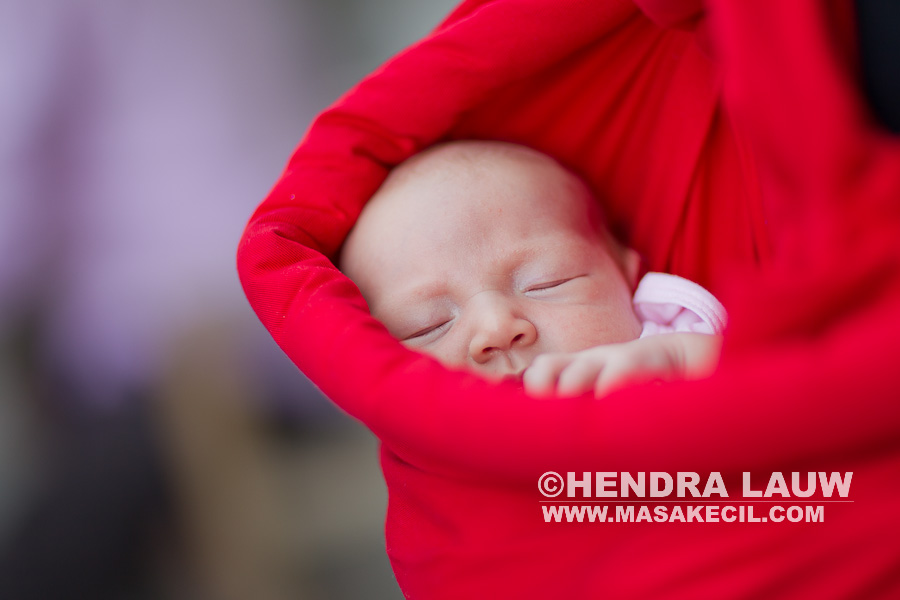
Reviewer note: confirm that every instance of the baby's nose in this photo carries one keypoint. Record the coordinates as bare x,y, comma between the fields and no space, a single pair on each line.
498,327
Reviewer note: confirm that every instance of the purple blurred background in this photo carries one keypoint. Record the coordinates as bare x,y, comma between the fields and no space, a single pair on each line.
154,443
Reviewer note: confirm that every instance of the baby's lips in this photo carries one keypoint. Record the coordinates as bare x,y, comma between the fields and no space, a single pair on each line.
514,378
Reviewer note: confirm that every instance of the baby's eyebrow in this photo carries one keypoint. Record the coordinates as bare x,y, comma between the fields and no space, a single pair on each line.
423,291
405,298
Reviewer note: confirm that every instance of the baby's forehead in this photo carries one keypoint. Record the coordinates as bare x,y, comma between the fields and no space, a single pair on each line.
465,198
477,174
471,159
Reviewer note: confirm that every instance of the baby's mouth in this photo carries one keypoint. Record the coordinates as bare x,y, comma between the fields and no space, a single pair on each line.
514,377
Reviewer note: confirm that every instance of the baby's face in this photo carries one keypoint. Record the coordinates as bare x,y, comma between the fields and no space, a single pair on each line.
486,262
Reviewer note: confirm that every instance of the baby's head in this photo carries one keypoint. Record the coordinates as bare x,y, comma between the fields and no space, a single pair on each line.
486,254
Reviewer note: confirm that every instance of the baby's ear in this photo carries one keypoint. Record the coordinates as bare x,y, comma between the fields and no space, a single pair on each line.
630,263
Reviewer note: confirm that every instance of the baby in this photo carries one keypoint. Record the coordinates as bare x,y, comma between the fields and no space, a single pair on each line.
492,257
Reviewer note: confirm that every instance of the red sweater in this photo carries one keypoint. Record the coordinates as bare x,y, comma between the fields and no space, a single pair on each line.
729,146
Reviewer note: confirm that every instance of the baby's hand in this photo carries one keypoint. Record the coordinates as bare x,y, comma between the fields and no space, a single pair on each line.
604,368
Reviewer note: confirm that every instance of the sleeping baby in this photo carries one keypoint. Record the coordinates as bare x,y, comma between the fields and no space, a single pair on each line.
494,258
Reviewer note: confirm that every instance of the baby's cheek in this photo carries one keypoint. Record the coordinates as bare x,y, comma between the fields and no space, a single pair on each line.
430,350
451,350
584,329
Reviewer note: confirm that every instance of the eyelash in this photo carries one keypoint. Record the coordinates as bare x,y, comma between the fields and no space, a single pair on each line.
428,330
440,327
549,285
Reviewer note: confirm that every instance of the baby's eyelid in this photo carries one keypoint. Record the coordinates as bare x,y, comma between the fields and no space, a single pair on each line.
548,285
428,330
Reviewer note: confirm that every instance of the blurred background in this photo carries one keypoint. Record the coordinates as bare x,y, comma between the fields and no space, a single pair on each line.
154,443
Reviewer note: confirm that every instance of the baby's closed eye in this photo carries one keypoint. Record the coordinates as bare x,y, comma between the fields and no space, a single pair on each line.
548,285
551,284
429,331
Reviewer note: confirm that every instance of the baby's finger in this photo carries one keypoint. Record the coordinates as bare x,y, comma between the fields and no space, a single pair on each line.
540,377
620,374
578,377
610,380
